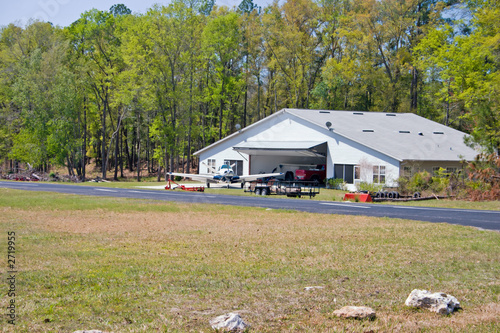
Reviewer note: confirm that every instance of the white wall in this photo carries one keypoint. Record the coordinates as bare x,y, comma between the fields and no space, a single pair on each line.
345,151
221,152
278,128
286,127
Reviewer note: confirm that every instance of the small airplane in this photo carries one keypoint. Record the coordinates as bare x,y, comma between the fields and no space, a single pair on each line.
225,174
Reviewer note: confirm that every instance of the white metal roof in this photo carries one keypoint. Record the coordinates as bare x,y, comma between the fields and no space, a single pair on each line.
402,136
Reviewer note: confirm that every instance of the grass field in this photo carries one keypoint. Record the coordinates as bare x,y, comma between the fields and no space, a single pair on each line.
141,266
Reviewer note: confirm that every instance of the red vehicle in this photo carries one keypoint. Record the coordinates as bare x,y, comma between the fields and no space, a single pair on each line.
315,174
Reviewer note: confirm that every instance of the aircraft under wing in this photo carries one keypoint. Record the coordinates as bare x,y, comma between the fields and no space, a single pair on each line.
226,179
200,177
260,175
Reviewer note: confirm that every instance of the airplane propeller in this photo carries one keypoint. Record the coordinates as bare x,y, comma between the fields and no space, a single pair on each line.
209,166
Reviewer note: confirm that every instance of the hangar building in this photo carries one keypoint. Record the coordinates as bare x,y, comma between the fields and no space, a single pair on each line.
374,147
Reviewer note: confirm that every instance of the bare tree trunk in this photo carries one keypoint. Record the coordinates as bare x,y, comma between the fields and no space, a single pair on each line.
103,143
121,155
258,96
414,91
84,147
117,156
138,147
130,159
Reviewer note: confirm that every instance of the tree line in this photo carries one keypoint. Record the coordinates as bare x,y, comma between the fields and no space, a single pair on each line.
144,91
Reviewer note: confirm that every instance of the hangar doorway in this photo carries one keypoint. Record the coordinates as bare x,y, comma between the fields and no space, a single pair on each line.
276,156
237,166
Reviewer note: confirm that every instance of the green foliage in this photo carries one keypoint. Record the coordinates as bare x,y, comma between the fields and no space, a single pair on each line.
440,181
171,81
420,181
370,187
335,183
120,9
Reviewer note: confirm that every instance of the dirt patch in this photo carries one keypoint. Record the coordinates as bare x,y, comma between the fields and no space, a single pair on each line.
147,223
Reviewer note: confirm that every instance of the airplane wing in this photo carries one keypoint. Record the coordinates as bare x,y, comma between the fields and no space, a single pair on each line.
200,177
260,175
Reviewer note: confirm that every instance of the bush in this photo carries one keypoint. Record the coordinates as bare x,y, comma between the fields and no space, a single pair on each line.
335,183
440,181
420,181
484,178
372,188
177,178
403,185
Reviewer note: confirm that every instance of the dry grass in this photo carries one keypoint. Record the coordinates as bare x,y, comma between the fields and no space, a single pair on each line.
135,266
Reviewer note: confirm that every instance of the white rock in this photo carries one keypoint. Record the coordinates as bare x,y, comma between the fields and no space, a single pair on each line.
313,287
229,322
357,312
436,302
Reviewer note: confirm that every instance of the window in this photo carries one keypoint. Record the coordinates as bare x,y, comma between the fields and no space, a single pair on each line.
345,172
379,174
357,172
211,166
451,170
407,171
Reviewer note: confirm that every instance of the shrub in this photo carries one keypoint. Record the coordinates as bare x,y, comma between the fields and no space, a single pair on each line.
420,181
403,184
370,187
335,183
440,181
484,178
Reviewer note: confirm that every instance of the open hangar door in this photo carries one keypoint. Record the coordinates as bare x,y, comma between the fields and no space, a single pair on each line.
285,157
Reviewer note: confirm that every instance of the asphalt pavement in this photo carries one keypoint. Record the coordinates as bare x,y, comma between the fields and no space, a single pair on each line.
484,219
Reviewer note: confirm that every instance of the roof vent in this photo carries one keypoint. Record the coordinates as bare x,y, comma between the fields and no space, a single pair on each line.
369,131
438,132
390,115
420,133
406,132
358,113
324,112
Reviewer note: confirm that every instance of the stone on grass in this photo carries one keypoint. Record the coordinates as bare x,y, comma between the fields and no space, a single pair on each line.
356,312
313,287
228,322
436,302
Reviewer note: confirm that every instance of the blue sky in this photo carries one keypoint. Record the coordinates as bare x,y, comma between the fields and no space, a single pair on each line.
64,12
